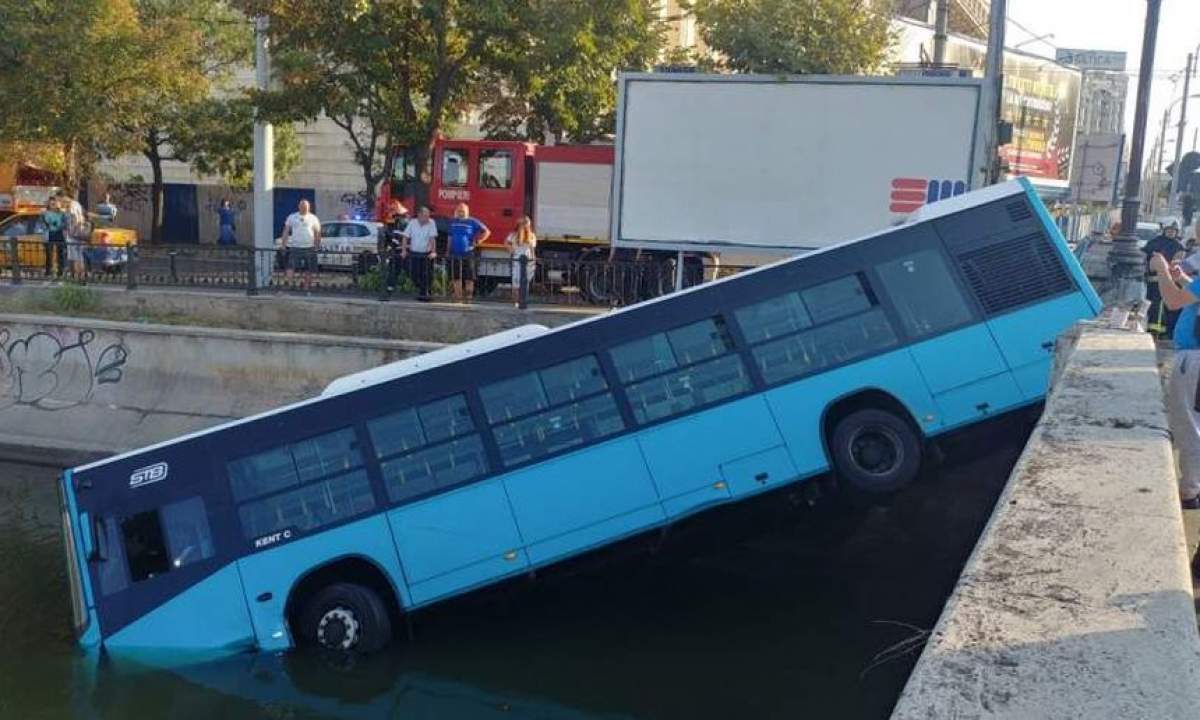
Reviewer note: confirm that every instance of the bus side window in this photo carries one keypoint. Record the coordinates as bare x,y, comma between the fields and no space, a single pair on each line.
924,293
820,327
430,447
708,370
301,486
549,410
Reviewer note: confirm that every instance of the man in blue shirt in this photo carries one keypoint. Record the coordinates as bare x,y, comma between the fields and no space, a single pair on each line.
465,233
1180,291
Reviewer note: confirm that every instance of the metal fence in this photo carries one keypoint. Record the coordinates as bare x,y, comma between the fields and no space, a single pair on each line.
382,276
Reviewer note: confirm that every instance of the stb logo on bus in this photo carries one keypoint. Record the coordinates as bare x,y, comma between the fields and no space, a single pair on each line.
911,194
149,474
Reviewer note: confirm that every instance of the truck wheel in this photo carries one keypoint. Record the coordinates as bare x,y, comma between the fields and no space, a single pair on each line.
346,618
875,452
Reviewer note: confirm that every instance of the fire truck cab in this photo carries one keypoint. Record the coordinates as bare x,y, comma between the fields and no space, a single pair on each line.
564,189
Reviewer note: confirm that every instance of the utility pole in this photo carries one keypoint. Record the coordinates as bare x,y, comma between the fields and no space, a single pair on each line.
264,164
993,91
1128,263
1175,177
940,30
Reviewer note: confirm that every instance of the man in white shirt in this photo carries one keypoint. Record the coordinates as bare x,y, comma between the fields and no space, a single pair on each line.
300,242
420,250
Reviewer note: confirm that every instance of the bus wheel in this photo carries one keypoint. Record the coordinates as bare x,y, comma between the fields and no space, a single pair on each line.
347,618
875,452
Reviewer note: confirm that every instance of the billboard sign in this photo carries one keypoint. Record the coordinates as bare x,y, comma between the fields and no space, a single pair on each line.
1097,167
769,163
1041,100
1107,60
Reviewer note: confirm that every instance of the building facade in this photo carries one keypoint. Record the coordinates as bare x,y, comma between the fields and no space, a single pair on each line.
967,17
1105,89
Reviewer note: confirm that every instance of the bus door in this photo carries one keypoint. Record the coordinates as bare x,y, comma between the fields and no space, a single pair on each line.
154,553
954,351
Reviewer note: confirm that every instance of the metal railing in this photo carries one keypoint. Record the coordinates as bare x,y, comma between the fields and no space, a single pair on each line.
381,276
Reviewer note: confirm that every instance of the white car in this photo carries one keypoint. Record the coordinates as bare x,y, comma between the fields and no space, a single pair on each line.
347,242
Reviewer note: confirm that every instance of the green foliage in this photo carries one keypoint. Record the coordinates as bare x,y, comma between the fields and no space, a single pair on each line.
74,298
387,72
219,141
555,75
838,37
70,72
371,281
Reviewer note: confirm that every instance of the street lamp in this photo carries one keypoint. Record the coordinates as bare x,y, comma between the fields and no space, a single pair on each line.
1129,282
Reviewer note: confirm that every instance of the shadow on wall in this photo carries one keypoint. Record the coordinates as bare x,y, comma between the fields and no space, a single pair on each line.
56,371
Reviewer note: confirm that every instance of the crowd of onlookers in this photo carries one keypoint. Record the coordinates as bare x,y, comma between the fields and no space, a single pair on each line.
409,245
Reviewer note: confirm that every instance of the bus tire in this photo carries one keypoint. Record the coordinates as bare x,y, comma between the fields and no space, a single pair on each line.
344,617
875,453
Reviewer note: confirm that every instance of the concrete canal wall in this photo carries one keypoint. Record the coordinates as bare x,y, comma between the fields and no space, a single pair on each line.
73,388
1077,601
343,316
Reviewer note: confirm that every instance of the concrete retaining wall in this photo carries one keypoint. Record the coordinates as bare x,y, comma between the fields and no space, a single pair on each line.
400,319
1077,601
72,387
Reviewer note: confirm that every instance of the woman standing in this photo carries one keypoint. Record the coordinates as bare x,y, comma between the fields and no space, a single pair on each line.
227,234
56,222
521,243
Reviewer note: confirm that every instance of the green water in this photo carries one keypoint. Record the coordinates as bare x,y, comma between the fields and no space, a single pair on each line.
766,613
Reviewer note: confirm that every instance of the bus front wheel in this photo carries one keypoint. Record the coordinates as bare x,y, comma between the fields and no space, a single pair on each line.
347,618
875,452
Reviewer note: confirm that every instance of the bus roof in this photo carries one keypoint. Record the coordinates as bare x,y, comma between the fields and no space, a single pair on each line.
430,360
506,338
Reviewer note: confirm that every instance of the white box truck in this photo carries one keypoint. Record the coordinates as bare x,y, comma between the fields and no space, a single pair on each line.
752,163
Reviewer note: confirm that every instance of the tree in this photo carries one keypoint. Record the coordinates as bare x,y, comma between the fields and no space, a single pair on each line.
389,72
837,37
69,69
559,80
190,109
111,77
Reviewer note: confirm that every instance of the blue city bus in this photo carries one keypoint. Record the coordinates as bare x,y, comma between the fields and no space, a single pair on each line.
326,522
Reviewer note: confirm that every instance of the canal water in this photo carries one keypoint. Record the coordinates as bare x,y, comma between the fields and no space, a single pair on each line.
767,611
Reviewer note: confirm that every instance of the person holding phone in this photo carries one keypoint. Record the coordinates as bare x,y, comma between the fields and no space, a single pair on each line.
1179,286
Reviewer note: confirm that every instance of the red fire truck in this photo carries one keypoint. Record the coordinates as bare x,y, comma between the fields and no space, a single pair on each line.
564,189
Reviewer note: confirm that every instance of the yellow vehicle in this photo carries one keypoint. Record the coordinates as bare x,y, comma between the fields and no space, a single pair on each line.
106,249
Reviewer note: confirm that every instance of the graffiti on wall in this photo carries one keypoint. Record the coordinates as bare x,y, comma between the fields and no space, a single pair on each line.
56,371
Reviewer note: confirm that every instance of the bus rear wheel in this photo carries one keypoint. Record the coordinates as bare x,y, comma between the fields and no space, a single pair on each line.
346,618
875,452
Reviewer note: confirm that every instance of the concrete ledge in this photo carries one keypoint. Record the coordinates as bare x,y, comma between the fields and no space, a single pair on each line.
342,316
1077,601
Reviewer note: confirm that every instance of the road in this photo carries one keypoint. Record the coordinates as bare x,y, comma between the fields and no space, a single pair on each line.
762,611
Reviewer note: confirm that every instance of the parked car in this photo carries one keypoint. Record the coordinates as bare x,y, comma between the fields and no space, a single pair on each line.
346,243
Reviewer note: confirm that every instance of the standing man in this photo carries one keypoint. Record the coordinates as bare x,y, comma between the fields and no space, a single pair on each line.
227,231
465,233
420,250
301,240
1181,292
